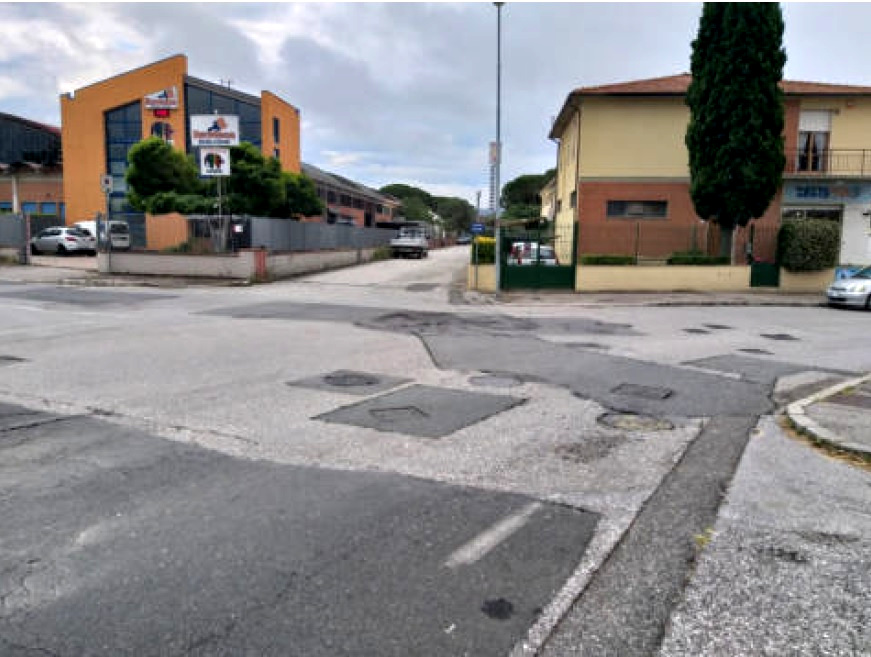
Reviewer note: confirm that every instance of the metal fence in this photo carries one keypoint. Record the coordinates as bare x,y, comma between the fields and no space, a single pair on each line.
655,241
12,230
277,235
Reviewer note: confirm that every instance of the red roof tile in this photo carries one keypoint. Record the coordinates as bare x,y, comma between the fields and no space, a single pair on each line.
676,85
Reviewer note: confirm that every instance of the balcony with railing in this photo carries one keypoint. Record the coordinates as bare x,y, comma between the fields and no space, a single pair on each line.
828,163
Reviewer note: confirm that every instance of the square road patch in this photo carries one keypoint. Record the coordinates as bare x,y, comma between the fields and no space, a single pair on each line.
422,411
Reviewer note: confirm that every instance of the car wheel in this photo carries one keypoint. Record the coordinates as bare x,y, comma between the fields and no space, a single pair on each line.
61,250
34,250
868,303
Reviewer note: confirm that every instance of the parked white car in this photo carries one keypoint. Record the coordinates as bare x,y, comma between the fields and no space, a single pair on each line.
852,291
118,230
62,240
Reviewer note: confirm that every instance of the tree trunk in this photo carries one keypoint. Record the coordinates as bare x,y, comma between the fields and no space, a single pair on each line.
726,235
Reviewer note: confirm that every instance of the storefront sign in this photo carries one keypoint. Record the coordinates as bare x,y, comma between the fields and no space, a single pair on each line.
215,161
163,99
833,192
214,130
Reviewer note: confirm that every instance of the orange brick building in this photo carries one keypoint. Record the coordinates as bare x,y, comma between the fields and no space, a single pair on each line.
101,122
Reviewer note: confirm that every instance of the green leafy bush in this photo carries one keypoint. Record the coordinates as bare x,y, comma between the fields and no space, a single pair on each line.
696,258
607,259
808,244
486,250
381,253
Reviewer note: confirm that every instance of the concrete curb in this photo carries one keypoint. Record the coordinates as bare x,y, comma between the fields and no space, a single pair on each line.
795,413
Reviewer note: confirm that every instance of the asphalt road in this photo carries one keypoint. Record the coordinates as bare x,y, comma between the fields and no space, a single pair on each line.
350,464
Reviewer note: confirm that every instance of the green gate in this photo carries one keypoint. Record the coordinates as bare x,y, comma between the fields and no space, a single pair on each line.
539,258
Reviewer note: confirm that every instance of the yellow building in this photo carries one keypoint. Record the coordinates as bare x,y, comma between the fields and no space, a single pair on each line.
102,121
623,167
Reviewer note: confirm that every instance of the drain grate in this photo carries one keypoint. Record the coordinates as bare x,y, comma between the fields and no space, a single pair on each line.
753,350
697,331
633,422
779,336
645,392
350,382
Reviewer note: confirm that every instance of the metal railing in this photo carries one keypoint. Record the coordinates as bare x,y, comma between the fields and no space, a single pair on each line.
828,162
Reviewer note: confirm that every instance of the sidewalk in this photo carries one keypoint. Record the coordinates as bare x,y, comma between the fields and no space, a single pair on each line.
77,275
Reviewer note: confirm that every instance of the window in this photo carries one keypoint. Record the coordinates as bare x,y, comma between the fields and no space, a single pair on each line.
358,203
29,208
5,207
48,208
276,130
123,129
276,153
345,200
814,128
637,209
331,197
574,199
559,205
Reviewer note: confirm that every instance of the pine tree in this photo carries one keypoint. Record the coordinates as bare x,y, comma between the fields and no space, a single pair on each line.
735,134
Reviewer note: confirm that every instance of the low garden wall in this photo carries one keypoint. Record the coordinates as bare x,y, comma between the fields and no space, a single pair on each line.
247,264
806,281
666,278
481,278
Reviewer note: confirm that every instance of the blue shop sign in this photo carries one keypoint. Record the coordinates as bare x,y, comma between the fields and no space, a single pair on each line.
835,192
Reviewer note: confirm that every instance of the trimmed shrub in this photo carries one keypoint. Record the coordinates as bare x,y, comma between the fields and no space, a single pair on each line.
808,244
381,253
696,258
486,250
606,259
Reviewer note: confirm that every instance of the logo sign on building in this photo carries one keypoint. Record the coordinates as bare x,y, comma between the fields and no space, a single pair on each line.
163,99
215,161
214,130
477,228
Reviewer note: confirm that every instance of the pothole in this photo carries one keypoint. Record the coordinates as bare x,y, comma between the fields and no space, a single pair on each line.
351,379
593,447
696,331
633,422
496,381
645,392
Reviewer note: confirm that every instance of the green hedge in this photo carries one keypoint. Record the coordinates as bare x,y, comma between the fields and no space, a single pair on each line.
605,259
808,244
696,258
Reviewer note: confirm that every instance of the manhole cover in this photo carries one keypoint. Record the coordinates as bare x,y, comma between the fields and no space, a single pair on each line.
633,422
720,327
495,381
645,392
400,414
752,350
696,330
345,379
779,336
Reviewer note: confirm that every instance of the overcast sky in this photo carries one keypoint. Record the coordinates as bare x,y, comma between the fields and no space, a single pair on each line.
399,92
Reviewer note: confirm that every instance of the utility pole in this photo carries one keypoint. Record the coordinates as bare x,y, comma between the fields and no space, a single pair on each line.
497,224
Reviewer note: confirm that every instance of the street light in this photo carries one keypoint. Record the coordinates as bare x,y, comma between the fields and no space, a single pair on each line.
497,224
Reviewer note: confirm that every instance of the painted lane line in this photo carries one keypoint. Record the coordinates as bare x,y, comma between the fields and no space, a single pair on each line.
484,542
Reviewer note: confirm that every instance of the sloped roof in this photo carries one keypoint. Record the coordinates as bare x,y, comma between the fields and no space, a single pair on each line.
33,124
677,85
340,182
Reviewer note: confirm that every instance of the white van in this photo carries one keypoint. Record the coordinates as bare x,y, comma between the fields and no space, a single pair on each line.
119,231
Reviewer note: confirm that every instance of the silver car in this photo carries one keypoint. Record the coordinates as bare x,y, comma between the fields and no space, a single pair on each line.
63,240
852,291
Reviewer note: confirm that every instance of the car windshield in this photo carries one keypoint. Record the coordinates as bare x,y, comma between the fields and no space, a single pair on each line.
547,252
862,273
119,228
78,232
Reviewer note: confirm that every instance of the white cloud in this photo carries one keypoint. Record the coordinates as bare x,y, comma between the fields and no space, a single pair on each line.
12,88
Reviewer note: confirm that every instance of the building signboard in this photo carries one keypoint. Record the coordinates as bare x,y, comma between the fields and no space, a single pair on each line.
215,161
214,130
163,99
836,192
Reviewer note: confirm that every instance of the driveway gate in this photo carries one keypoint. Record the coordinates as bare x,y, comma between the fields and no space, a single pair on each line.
538,259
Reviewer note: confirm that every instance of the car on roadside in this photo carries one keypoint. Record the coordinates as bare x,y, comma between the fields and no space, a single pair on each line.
531,253
464,239
63,240
119,231
854,290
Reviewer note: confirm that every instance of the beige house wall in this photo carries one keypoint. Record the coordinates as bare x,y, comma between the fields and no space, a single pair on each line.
673,278
566,183
634,138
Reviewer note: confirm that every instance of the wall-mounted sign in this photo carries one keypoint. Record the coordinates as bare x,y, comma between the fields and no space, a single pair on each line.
163,99
838,192
215,161
214,130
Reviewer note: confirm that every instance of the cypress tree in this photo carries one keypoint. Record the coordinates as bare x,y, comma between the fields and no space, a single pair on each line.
735,134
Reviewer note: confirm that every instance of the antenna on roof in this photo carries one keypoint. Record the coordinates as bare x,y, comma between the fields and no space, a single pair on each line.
225,83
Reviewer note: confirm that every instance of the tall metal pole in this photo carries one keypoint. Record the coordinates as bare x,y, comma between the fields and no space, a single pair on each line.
497,229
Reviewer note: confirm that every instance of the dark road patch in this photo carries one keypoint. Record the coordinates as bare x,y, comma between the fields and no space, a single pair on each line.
116,542
8,360
645,392
754,369
350,382
779,336
80,297
422,411
718,327
696,331
753,350
421,287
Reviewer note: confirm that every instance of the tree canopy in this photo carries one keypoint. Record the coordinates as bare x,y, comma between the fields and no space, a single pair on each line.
162,179
735,134
457,214
521,197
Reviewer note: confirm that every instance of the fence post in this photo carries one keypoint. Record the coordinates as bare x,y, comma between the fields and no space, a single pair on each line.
637,240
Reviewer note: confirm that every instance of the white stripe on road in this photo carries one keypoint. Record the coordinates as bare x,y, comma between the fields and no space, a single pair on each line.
479,546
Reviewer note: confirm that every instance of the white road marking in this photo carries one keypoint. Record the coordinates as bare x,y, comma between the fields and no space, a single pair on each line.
484,542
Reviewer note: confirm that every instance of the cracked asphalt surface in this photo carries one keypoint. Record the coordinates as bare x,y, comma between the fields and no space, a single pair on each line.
170,489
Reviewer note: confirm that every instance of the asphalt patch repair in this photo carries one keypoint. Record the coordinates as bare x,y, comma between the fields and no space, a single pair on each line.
423,411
